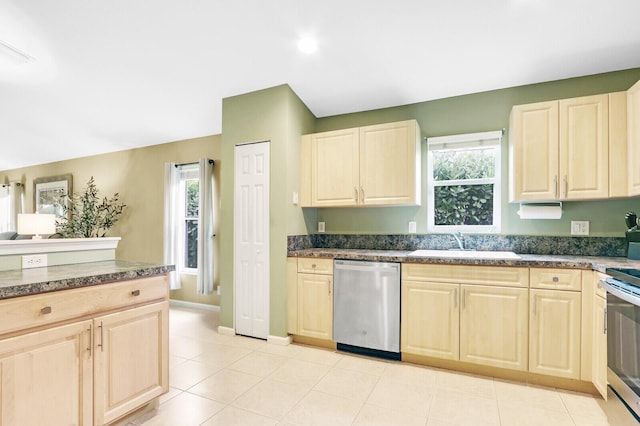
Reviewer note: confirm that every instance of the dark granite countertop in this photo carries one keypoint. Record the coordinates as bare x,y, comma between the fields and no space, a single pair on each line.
23,282
596,263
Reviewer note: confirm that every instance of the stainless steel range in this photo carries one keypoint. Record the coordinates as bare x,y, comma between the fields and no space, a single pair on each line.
623,334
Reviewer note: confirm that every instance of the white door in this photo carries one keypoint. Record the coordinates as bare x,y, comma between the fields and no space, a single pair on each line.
251,239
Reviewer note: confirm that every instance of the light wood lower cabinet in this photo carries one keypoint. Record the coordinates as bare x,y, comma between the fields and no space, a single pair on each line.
480,324
46,377
599,342
310,297
88,362
554,335
430,323
131,365
493,326
315,306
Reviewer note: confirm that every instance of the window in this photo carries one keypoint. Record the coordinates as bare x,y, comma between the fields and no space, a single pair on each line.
463,183
189,204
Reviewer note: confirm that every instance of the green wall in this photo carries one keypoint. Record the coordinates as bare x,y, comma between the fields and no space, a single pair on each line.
276,115
477,113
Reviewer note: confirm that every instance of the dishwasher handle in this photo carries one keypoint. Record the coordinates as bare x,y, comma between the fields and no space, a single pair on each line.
359,265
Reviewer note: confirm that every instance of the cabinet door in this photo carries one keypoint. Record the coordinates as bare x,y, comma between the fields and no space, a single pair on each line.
493,326
584,147
46,377
555,333
600,346
315,306
390,164
430,319
335,168
618,158
131,365
633,129
534,151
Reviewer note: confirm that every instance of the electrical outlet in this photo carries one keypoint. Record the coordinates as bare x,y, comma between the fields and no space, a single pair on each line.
34,261
320,226
579,227
412,227
219,292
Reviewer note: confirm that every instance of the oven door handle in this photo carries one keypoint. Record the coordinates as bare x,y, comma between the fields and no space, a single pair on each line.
634,300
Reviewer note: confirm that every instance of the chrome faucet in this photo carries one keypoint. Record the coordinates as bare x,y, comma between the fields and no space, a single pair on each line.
459,239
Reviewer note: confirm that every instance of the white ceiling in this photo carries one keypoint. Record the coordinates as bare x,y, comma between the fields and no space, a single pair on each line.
116,74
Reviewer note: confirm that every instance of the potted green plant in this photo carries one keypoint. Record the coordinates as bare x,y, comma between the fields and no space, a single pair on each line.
86,216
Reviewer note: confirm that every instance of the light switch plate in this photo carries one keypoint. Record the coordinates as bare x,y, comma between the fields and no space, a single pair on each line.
320,226
412,227
579,227
296,199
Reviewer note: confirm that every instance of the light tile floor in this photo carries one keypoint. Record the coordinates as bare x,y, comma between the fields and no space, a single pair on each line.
224,380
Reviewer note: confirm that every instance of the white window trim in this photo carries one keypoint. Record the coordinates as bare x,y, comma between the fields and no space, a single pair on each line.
469,140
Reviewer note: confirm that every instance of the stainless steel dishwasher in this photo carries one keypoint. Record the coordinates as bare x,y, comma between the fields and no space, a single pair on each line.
366,307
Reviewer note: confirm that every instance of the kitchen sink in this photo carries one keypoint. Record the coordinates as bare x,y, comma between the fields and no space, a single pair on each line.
465,254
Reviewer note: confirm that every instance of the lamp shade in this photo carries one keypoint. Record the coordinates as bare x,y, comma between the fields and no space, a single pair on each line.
36,224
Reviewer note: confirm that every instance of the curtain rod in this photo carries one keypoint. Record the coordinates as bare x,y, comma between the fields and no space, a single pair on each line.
195,162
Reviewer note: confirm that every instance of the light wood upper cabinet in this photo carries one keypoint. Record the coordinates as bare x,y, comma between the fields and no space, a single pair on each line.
554,335
534,151
390,164
618,158
334,168
131,360
367,166
430,323
584,147
46,377
559,150
493,326
633,128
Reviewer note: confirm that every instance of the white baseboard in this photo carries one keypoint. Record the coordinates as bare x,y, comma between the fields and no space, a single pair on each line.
194,305
226,331
280,341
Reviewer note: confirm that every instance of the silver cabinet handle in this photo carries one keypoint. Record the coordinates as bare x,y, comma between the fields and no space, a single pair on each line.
90,330
604,322
355,191
535,303
566,187
464,297
101,344
135,293
46,310
329,285
361,195
555,187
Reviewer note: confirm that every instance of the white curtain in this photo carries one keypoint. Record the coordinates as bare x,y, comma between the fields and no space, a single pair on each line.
205,228
11,203
172,244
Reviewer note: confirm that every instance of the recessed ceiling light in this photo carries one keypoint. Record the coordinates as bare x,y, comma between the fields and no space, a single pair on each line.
308,45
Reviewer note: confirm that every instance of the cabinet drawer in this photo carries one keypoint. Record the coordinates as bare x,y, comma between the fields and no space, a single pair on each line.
505,276
312,265
556,279
48,308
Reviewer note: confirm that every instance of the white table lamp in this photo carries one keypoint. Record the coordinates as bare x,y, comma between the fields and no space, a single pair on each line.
36,224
